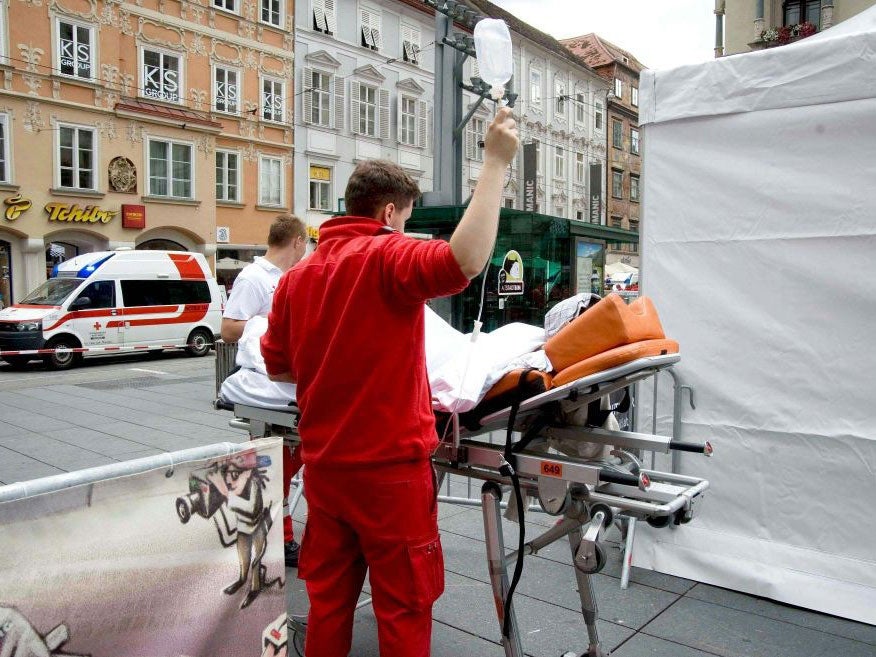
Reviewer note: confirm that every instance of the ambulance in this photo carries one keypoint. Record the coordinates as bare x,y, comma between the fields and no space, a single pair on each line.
99,302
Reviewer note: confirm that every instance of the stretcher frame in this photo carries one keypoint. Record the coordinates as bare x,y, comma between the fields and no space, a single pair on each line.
585,495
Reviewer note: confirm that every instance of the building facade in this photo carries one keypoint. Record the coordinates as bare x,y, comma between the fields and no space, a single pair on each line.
620,70
151,124
365,89
746,25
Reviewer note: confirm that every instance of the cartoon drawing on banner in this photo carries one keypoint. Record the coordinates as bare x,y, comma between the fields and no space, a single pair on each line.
18,637
511,274
231,492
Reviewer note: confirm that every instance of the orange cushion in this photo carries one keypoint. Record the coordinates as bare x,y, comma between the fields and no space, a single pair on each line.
510,381
608,324
615,357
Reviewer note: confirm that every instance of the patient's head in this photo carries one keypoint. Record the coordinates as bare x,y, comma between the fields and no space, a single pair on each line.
381,190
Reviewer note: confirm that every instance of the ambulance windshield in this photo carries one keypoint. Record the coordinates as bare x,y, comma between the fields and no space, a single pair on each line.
53,292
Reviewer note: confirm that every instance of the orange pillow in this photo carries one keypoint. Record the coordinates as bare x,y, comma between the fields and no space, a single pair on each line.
608,324
614,358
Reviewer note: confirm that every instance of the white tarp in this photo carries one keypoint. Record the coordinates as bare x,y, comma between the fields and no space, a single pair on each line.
760,185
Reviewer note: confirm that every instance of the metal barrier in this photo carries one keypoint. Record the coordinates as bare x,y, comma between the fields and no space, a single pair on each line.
226,358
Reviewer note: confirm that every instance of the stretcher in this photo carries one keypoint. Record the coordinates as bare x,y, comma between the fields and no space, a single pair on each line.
544,416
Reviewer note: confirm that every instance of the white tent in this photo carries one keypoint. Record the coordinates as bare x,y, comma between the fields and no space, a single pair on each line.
619,268
760,176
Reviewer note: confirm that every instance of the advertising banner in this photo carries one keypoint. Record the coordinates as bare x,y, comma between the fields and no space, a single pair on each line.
530,173
595,193
171,562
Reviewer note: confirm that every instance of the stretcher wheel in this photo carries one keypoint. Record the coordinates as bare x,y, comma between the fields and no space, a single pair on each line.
600,561
659,521
606,511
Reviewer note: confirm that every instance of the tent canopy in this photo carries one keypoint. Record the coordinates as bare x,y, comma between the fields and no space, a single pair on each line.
779,147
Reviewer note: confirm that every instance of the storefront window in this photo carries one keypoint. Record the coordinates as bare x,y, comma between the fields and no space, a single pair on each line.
160,245
58,252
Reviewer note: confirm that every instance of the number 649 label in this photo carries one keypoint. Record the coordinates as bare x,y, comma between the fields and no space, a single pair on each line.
551,469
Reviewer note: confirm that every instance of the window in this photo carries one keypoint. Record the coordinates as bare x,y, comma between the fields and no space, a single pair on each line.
272,12
369,19
100,294
617,133
366,118
320,99
618,88
76,50
410,44
509,203
634,141
226,90
164,293
617,184
634,188
579,168
227,176
5,173
170,169
634,96
270,181
227,5
76,156
616,222
162,76
559,162
579,215
273,99
597,116
580,108
799,11
407,121
560,93
475,138
535,87
320,188
324,16
560,211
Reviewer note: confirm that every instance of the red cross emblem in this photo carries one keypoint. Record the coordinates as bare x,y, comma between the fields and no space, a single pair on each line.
97,326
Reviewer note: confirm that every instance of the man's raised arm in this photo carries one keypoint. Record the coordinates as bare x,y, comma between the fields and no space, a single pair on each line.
472,241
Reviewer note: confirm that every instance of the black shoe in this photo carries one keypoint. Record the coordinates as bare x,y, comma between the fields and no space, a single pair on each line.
290,551
234,587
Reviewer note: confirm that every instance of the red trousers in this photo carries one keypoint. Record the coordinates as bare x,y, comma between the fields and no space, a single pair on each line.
383,520
291,466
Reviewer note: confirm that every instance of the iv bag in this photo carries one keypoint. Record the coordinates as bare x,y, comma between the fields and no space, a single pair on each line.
493,48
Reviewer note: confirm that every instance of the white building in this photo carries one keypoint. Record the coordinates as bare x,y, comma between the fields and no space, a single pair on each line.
364,89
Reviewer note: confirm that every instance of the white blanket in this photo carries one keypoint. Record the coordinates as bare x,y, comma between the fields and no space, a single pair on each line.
460,371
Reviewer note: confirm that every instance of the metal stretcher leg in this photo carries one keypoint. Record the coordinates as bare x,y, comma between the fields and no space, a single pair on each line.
628,550
588,600
491,496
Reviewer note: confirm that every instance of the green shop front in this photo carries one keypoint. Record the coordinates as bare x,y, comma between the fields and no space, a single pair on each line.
538,260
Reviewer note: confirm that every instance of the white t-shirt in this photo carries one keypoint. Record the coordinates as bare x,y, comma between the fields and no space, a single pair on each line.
253,290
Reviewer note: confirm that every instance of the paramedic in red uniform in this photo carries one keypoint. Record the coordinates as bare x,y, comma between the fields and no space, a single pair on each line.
348,325
251,296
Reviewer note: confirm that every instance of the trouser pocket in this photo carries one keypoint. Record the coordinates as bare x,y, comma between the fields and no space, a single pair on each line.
427,572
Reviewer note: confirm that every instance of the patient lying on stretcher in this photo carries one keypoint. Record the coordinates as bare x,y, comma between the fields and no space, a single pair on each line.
460,372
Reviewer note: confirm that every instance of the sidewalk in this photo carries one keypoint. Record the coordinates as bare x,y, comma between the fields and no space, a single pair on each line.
51,424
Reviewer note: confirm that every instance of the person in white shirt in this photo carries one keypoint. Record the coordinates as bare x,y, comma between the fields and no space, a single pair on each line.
251,296
253,288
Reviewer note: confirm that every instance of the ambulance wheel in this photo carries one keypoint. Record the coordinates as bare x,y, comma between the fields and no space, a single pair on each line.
199,342
62,360
17,362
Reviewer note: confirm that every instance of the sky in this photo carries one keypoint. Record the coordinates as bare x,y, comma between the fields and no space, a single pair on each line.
660,33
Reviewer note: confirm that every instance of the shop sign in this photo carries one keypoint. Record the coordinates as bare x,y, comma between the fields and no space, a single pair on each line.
313,233
90,214
15,206
530,175
320,173
595,193
133,216
511,274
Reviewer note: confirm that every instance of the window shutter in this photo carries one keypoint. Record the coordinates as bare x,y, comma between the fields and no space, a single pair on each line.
469,141
329,9
307,96
398,115
354,108
383,96
378,39
339,102
422,123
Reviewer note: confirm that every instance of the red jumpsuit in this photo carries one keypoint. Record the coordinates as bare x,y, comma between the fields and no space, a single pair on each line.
355,345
